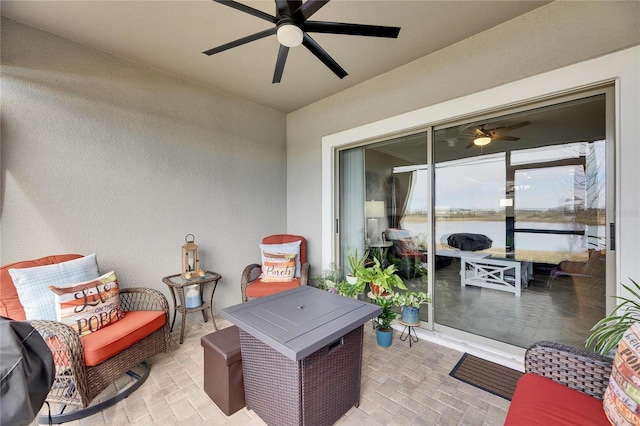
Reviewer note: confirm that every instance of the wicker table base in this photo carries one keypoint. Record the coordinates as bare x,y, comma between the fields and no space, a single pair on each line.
317,390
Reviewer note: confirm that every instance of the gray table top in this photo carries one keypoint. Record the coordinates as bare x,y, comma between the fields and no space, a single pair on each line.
298,322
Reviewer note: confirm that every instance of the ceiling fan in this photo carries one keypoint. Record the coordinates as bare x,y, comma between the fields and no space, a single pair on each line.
292,28
483,136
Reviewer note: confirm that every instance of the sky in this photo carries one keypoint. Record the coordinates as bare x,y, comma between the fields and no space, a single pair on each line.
479,182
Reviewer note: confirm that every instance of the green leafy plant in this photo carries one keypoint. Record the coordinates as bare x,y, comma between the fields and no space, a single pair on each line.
409,267
410,298
385,279
327,278
607,332
356,261
343,288
384,320
383,282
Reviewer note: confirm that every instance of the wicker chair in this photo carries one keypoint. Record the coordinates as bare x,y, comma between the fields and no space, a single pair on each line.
578,369
75,383
593,267
563,385
252,272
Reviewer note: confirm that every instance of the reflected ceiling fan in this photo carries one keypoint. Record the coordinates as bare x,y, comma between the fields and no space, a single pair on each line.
483,136
291,26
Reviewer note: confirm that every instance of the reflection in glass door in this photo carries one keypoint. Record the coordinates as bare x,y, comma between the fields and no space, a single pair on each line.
383,206
520,219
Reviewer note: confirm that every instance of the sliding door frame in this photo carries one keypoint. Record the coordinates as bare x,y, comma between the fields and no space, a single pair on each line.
613,69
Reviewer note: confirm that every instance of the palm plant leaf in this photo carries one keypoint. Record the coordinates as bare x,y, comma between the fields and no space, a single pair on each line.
607,332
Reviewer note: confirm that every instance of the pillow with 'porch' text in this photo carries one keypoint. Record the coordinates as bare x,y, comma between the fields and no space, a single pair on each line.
89,306
278,267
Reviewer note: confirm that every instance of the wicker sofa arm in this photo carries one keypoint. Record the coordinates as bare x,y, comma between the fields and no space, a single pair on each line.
576,368
304,273
143,299
250,274
68,358
253,271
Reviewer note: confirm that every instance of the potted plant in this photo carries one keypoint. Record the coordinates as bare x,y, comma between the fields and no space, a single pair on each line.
328,278
381,280
384,332
607,332
410,302
355,262
343,288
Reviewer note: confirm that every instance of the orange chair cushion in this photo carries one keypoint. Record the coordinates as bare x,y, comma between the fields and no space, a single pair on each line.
10,305
541,401
263,289
111,340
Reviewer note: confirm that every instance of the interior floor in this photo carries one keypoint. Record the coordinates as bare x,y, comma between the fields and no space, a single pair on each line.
562,309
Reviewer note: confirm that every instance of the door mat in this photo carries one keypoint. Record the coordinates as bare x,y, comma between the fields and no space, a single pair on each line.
486,375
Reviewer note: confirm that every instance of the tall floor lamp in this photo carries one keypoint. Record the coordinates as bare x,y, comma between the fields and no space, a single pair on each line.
373,210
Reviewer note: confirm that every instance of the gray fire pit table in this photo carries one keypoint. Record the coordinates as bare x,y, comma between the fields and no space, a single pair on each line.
301,354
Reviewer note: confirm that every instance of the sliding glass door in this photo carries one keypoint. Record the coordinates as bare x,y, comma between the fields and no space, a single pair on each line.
506,225
523,221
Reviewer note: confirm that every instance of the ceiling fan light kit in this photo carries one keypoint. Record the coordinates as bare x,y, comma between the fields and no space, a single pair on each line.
292,29
482,141
484,136
289,35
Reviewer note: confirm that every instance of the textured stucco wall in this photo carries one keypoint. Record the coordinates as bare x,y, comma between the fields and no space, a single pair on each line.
104,155
547,38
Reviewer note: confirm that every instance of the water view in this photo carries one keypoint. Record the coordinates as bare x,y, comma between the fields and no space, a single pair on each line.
542,248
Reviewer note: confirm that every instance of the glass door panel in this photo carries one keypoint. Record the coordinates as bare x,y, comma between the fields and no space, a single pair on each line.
520,219
383,206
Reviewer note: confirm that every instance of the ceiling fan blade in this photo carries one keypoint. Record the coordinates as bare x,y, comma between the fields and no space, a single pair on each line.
504,138
471,145
250,10
282,58
321,54
241,41
350,29
509,128
478,133
305,11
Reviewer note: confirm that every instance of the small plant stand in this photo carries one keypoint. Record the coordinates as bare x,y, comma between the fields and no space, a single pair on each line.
408,328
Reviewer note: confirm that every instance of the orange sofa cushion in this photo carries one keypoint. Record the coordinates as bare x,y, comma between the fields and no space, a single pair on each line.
10,305
263,289
541,401
111,340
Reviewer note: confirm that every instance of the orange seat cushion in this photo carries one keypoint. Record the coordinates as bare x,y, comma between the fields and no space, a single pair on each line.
111,340
263,289
541,401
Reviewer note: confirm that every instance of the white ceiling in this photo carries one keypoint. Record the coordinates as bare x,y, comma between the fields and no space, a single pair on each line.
171,36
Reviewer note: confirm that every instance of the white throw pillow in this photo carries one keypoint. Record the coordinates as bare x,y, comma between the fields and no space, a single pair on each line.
32,284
